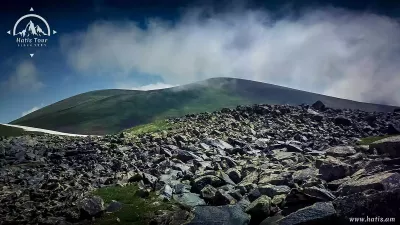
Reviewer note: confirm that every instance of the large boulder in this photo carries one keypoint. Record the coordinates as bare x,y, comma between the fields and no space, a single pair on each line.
372,204
393,128
318,213
318,105
91,206
341,120
390,146
379,181
218,215
332,169
260,208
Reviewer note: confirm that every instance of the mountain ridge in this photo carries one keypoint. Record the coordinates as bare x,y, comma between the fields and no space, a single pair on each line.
112,110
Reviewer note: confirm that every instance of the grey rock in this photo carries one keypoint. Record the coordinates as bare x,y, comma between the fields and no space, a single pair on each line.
92,206
260,208
340,120
379,181
390,146
201,182
234,175
318,213
340,151
272,190
219,215
189,199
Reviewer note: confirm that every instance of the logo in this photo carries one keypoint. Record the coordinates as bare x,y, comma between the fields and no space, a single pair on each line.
31,30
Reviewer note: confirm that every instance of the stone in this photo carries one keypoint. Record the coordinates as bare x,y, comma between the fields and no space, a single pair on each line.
332,169
208,192
218,215
380,181
186,156
372,204
272,190
189,199
260,208
390,146
92,206
201,182
234,175
318,105
393,129
340,120
319,193
305,174
254,194
341,151
223,198
271,220
318,213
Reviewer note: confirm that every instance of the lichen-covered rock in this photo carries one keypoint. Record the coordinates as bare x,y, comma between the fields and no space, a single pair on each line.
260,208
379,181
390,146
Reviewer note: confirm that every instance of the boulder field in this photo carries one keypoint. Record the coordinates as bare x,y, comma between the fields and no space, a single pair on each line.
260,164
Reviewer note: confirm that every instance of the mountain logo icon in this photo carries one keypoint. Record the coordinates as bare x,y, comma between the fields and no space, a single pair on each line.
30,29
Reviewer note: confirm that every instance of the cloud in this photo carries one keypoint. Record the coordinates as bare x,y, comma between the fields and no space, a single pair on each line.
32,110
25,77
147,87
330,51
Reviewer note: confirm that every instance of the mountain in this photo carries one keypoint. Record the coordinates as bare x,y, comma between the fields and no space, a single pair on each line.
109,111
31,29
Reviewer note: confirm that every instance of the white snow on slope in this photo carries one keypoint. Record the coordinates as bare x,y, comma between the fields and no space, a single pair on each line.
44,130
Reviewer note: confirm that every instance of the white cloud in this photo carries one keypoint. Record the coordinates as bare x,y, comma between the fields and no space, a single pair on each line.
25,77
329,51
147,87
32,110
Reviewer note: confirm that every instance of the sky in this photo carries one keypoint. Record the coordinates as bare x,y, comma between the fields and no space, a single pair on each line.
347,49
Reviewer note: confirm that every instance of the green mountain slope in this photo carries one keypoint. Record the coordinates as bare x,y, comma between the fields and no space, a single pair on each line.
110,111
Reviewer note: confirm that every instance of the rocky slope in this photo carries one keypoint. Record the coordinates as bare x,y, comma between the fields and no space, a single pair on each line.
256,164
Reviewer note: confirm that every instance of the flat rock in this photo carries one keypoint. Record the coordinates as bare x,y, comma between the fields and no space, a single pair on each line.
189,199
379,181
219,215
341,151
318,213
390,146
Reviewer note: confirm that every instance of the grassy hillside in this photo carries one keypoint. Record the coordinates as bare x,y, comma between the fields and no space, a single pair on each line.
6,131
110,111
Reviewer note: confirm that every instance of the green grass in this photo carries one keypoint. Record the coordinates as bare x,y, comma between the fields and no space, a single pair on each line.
156,126
135,210
370,140
6,131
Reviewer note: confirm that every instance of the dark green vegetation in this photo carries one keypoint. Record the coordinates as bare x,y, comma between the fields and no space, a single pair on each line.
6,131
110,111
370,140
135,210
